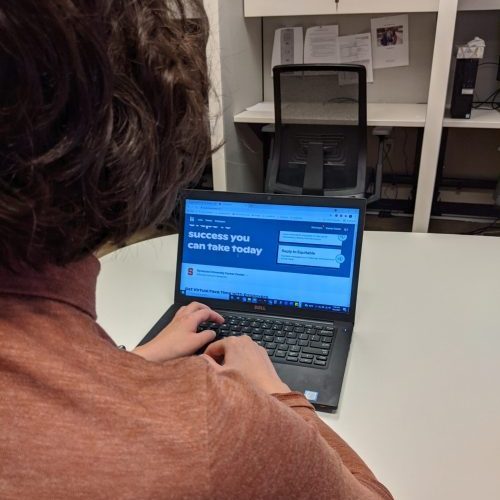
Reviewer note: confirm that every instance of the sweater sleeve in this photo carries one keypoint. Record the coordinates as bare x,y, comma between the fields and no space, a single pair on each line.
350,459
276,447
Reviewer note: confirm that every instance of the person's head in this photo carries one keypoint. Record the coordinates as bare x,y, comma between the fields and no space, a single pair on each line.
103,119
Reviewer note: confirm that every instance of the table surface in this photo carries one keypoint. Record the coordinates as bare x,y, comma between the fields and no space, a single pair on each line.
421,394
386,114
378,115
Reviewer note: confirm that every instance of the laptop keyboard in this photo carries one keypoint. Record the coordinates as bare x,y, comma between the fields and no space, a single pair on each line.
286,341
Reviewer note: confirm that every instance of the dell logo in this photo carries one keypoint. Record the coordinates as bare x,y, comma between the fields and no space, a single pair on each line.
259,308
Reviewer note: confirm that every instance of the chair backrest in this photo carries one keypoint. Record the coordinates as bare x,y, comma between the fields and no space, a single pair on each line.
321,130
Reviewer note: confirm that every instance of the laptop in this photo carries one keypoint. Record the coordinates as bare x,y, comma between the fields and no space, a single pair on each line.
281,269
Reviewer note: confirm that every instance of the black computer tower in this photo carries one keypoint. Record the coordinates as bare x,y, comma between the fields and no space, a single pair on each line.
463,87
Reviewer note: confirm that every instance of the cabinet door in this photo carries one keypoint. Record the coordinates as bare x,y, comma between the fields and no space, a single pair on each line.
264,8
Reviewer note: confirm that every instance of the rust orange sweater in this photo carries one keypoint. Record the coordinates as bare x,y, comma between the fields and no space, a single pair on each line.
80,418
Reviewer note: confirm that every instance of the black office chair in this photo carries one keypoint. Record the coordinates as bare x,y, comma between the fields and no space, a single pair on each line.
321,131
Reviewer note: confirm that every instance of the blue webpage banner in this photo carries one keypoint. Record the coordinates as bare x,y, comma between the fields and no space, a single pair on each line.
295,247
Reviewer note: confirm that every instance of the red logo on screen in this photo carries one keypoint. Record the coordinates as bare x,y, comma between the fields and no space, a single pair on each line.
190,271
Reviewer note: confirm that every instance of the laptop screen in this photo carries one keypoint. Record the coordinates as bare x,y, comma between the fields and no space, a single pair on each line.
281,255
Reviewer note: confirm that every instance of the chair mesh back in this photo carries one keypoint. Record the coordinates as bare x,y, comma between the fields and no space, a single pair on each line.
320,97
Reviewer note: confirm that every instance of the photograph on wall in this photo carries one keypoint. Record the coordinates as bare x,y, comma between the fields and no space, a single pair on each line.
390,40
393,35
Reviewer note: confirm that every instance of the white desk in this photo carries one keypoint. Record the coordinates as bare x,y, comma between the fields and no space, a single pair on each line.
421,394
378,114
480,118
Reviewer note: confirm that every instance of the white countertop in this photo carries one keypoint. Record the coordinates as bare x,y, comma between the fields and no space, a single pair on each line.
378,115
421,394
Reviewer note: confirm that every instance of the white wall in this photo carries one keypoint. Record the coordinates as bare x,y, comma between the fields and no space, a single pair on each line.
408,84
240,62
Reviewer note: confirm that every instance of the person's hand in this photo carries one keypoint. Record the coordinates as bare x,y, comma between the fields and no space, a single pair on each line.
179,338
243,355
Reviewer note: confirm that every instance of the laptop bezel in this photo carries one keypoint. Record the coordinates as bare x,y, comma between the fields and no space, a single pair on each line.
277,199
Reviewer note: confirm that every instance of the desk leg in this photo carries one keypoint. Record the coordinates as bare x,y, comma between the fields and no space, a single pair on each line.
439,172
416,167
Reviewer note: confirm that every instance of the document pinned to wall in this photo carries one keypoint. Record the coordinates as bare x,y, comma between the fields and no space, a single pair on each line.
356,49
288,46
322,45
390,40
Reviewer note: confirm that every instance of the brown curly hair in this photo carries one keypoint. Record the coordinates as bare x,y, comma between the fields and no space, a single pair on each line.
103,119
